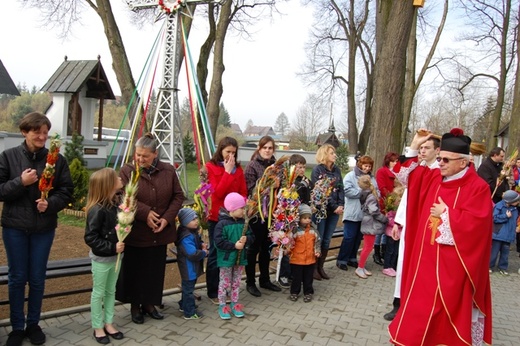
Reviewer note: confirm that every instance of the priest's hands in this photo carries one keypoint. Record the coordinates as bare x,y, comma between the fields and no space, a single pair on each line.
438,208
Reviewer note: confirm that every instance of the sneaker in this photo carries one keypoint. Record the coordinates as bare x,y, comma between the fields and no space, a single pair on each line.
307,298
283,282
35,334
193,317
236,309
224,312
293,297
389,272
361,273
503,272
15,338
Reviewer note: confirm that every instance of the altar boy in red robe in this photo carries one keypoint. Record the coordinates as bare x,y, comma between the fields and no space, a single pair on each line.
445,294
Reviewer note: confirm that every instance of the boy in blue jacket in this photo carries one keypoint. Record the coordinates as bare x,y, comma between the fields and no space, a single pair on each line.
505,214
190,258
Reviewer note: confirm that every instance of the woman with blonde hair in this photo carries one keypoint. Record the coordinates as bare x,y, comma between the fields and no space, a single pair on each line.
326,158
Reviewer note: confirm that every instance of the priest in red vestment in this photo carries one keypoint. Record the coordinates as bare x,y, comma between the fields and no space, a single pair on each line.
445,293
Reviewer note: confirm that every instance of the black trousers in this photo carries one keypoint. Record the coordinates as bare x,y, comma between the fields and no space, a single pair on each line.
212,272
259,247
302,274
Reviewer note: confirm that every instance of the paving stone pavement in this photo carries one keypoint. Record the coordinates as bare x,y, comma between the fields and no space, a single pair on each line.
346,310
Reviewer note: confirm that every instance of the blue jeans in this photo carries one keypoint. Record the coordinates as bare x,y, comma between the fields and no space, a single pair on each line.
27,256
502,247
187,302
326,228
212,272
352,237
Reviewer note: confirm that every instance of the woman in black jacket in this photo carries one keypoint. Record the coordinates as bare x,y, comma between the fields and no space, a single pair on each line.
29,222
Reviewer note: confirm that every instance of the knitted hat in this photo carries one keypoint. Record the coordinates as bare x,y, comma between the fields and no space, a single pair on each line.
511,196
304,209
234,201
456,142
186,215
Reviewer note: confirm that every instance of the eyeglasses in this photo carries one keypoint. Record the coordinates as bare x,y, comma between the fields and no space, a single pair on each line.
447,160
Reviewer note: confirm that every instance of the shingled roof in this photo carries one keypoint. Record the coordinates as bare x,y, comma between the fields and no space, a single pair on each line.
72,75
7,85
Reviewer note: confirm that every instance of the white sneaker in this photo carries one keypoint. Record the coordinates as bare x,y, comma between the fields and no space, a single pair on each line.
361,273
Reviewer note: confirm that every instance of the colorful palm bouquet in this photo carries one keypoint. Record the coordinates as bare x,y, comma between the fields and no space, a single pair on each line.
286,217
47,177
127,209
506,172
202,198
261,202
320,197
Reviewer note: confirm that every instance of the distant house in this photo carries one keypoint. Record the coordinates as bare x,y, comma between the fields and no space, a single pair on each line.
259,131
76,87
7,85
328,137
237,130
503,136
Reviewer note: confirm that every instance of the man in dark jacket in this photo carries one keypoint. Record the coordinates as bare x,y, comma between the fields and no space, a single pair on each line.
29,221
490,170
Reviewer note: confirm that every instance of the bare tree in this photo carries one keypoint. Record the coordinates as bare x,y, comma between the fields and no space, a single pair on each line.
514,124
411,83
63,14
494,31
392,40
308,123
282,125
337,45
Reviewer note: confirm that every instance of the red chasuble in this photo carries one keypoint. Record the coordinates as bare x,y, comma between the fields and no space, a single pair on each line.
442,283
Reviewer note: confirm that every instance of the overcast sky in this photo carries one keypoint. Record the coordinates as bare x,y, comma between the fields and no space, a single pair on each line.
260,79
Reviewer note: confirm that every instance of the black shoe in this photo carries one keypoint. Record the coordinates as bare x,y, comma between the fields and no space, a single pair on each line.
352,264
101,339
156,315
15,338
342,266
391,315
377,259
138,318
270,286
116,335
35,334
253,290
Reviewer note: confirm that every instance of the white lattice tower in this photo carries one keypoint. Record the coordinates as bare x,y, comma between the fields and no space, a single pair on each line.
166,124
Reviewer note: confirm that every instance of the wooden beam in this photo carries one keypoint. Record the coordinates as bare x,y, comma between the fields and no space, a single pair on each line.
418,3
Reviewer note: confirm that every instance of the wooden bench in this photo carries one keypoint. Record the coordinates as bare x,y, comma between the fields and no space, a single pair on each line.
61,269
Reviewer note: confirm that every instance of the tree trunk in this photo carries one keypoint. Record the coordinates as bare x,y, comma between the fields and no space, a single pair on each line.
117,50
205,52
389,79
497,113
351,85
216,89
409,83
514,124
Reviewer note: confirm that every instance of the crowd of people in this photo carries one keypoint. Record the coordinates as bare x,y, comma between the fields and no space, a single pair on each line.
424,199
